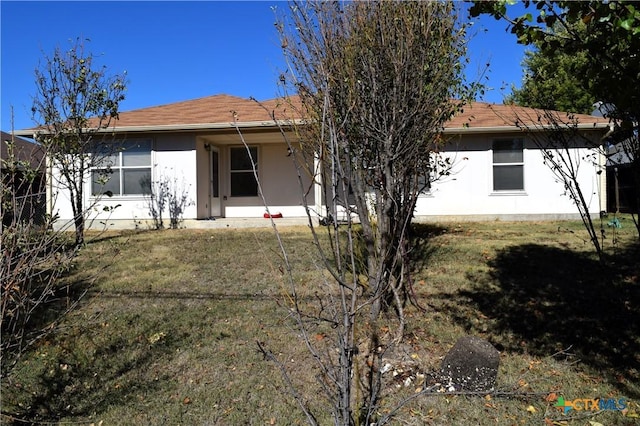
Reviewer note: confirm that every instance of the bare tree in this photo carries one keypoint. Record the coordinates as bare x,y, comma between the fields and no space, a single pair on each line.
572,148
376,81
75,102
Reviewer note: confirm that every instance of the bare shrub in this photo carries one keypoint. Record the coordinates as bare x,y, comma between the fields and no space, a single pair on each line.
34,256
170,193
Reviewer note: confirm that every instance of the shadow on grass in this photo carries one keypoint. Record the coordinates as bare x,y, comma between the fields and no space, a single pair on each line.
421,235
101,236
85,368
70,388
183,295
41,305
540,299
99,359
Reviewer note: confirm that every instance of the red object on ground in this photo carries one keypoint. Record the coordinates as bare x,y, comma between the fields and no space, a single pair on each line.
273,215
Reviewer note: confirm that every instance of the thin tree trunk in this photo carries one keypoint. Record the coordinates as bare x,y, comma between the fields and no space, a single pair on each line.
78,214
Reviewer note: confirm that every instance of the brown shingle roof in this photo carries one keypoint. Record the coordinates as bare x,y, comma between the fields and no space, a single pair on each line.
484,115
220,109
210,109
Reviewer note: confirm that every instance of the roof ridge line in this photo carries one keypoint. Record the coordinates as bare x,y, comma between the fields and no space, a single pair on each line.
186,101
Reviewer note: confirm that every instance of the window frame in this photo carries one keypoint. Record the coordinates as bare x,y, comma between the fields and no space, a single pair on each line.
439,166
120,169
520,164
249,171
425,184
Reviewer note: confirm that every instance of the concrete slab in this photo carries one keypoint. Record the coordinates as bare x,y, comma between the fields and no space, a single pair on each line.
220,223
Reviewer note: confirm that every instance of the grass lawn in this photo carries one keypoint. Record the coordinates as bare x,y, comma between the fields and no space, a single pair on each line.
167,331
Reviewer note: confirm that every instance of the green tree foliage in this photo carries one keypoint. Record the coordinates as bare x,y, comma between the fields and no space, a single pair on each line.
75,102
607,33
551,82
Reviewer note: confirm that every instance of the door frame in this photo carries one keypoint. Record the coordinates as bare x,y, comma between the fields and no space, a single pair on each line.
216,209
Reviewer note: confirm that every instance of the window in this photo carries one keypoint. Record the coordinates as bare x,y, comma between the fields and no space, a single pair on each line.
436,168
124,171
243,181
508,165
215,173
424,183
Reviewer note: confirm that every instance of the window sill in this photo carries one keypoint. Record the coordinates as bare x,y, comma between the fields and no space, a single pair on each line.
118,198
509,193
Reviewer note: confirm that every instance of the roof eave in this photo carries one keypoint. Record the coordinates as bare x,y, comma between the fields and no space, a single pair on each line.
264,124
516,129
204,126
285,123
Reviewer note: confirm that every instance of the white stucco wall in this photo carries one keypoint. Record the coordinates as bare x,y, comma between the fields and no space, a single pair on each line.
172,155
185,158
467,193
469,190
280,185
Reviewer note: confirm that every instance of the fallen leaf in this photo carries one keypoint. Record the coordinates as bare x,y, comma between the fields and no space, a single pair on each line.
531,409
272,421
551,397
592,423
533,363
186,400
156,337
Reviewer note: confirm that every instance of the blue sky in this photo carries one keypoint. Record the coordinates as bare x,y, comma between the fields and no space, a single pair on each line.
175,51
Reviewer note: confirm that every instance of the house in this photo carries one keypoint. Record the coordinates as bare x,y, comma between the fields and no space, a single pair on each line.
621,193
622,196
201,144
22,170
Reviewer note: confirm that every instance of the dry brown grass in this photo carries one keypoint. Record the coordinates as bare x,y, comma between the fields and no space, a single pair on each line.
168,332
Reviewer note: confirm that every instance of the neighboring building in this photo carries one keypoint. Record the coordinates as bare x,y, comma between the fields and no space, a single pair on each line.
498,174
621,183
621,192
26,196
